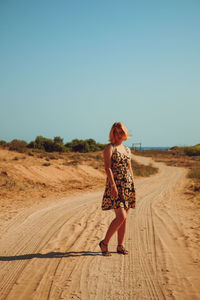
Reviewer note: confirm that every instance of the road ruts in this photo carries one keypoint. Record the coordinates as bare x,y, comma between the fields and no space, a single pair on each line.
52,252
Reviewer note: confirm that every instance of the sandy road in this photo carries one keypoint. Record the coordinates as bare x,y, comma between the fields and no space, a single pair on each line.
51,252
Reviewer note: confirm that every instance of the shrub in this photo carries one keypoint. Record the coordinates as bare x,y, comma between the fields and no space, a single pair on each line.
18,145
30,153
143,170
47,144
16,158
88,145
192,151
58,140
46,164
59,147
3,143
42,144
194,173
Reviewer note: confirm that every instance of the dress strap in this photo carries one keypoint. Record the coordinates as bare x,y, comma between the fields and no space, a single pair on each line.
127,149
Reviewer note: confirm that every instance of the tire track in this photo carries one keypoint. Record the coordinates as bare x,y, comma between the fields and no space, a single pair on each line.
52,252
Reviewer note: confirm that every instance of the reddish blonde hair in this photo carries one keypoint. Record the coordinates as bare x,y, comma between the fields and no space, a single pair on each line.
120,126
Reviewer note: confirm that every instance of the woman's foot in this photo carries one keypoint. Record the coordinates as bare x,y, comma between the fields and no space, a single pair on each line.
104,249
122,250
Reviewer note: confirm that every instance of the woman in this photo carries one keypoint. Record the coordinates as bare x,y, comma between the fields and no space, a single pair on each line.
119,192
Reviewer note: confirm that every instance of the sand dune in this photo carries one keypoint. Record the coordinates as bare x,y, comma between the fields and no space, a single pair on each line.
51,251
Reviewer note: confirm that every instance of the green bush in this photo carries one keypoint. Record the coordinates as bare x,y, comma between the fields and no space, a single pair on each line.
3,143
18,145
59,147
192,151
47,144
58,140
43,144
88,145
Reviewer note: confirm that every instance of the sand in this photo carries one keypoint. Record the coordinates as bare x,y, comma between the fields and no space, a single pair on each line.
49,250
29,180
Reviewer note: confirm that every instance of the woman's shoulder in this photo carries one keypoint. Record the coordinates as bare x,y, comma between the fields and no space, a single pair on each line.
108,148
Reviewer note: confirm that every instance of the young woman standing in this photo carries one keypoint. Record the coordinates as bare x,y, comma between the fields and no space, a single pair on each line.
119,193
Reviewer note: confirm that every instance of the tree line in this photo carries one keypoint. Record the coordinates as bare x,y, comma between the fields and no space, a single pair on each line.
53,145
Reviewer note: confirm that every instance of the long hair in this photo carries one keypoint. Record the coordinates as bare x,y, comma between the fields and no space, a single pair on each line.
112,132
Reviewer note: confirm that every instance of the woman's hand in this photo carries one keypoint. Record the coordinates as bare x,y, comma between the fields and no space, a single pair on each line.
114,191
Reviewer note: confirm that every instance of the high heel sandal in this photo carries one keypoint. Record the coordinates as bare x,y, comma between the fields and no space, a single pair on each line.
104,253
122,251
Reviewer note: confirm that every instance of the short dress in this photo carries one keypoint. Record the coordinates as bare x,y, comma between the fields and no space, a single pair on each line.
123,180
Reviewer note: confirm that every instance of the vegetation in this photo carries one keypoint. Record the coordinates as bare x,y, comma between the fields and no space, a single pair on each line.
84,146
48,145
143,170
187,157
18,145
3,144
175,151
194,173
192,150
43,144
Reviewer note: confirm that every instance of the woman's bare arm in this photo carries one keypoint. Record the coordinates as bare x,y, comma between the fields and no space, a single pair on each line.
107,164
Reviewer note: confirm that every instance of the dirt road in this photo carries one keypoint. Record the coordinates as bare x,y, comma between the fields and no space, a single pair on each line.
51,251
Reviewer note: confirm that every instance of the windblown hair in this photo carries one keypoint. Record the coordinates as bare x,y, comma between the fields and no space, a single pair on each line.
112,132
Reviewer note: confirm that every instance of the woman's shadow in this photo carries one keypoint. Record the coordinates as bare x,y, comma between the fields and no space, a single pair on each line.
50,255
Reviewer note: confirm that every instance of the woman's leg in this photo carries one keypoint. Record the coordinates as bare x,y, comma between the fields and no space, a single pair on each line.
115,224
122,230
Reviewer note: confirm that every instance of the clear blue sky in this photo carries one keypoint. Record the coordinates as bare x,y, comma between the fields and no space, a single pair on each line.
73,68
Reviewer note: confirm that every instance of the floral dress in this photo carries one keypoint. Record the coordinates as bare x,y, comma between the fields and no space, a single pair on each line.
123,181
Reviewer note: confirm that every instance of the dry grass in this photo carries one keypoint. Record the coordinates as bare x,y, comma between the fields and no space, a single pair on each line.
194,173
143,170
178,158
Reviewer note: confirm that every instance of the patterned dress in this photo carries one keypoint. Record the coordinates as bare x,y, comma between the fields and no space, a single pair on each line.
123,181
